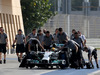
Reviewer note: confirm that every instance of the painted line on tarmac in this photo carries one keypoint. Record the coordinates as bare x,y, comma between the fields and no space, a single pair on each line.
94,73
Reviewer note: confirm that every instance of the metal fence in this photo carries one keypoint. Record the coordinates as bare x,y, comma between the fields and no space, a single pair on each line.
88,25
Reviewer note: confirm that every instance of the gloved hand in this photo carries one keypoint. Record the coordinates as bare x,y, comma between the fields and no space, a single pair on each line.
13,45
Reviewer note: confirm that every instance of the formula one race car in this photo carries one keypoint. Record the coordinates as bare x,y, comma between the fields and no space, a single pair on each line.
49,59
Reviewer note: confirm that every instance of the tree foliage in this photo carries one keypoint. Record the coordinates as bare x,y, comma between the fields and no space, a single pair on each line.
35,12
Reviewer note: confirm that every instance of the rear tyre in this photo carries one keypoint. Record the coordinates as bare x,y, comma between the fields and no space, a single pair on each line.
26,67
31,67
46,67
62,66
51,67
57,67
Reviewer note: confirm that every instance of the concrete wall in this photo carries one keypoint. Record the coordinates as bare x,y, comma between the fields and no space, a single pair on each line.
11,18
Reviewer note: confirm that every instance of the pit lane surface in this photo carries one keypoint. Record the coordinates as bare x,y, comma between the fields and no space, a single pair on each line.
12,68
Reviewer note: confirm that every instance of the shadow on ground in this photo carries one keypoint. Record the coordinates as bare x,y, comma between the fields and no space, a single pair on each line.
73,71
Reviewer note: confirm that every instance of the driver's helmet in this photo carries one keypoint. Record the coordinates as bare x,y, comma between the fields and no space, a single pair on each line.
53,49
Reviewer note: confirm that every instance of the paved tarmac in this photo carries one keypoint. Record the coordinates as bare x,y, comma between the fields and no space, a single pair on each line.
12,68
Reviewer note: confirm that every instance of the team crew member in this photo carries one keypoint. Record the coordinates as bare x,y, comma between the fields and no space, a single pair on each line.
20,40
32,44
32,35
3,44
78,40
44,31
74,47
92,52
1,29
62,36
55,36
71,44
73,32
40,37
82,37
48,40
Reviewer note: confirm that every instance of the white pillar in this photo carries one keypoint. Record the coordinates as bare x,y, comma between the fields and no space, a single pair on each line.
86,0
59,5
99,3
68,20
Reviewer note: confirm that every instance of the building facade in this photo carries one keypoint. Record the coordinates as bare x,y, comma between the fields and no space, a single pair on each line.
82,15
11,19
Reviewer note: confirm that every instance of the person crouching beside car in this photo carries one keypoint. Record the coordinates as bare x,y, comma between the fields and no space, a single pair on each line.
92,52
